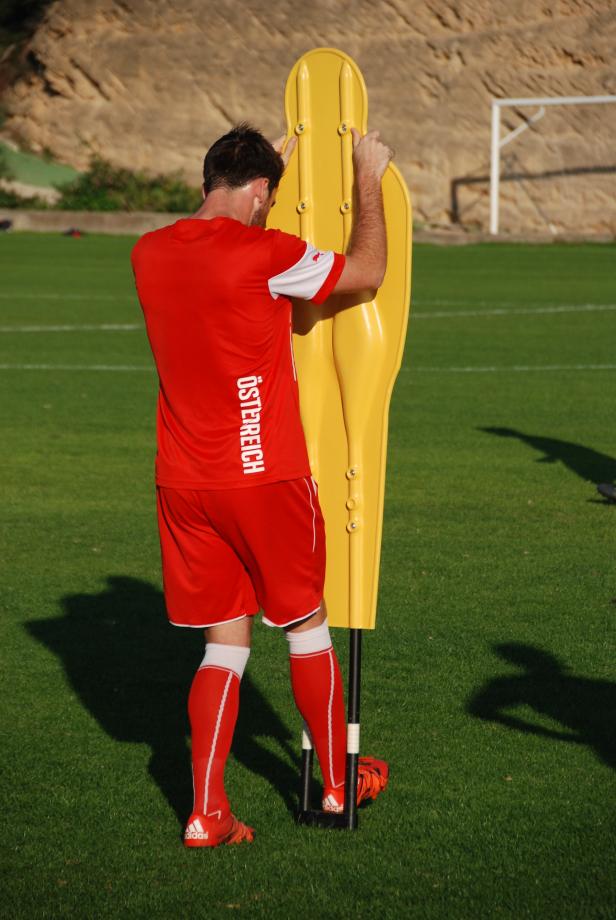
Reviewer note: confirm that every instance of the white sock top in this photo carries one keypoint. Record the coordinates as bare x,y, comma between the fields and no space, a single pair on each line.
310,641
231,657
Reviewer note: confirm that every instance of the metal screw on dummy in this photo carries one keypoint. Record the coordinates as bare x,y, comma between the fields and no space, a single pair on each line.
300,128
343,128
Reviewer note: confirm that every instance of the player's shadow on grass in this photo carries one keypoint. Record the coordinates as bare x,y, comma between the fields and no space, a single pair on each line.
585,708
589,464
132,671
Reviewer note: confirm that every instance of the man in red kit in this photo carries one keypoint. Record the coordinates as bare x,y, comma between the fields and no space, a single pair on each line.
238,511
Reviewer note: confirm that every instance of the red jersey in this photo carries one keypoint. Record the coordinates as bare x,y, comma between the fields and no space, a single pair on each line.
215,295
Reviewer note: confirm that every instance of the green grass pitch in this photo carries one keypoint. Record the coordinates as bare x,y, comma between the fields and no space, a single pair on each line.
489,684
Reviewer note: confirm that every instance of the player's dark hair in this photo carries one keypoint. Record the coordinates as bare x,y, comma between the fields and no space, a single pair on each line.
239,157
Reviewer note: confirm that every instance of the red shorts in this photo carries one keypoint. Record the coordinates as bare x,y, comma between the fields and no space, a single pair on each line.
230,552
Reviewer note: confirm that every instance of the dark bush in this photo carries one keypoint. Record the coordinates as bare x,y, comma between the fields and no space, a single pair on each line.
105,188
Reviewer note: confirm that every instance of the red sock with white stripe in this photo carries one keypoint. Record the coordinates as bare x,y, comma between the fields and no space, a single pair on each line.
213,705
317,688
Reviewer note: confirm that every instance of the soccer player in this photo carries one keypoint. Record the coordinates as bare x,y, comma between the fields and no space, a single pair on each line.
238,510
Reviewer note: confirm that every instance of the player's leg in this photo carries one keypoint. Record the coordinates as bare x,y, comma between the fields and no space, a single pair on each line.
317,688
206,586
213,705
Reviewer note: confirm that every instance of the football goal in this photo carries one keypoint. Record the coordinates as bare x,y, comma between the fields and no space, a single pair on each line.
498,142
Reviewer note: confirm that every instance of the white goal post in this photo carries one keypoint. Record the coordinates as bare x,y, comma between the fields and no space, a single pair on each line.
497,141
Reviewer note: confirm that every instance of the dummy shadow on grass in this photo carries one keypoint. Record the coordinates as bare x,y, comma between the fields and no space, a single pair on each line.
585,462
586,708
132,672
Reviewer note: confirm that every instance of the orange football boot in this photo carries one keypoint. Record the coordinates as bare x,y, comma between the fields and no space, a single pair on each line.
202,831
372,778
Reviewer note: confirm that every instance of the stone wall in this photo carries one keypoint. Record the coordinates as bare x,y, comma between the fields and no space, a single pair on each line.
148,84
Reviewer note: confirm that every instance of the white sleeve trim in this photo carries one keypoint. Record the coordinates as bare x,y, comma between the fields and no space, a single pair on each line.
304,278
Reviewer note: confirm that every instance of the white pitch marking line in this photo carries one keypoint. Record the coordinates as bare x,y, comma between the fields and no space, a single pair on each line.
519,368
438,302
101,327
75,367
514,311
55,295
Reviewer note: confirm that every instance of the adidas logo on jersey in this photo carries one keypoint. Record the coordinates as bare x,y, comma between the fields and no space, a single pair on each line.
195,831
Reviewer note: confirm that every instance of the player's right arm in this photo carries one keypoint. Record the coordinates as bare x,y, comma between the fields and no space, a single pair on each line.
366,256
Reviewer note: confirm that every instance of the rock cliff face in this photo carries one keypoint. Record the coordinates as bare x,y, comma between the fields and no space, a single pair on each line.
149,84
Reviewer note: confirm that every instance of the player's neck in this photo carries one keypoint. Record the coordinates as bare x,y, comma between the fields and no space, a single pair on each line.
225,203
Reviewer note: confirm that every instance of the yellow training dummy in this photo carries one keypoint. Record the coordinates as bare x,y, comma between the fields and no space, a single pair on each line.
347,352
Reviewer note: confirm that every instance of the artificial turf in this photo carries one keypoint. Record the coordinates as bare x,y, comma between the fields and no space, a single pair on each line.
489,683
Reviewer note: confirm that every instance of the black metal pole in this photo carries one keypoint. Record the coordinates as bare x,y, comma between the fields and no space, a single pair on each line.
352,758
306,778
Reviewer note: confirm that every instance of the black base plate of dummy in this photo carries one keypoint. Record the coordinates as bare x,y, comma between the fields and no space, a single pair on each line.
325,819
